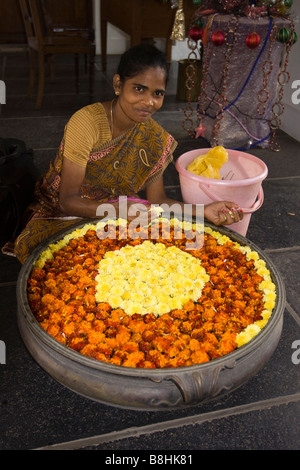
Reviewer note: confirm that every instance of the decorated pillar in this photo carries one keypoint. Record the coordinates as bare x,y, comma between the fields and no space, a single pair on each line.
245,59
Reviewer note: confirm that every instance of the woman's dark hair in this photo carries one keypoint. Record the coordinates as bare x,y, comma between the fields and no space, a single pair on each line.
138,58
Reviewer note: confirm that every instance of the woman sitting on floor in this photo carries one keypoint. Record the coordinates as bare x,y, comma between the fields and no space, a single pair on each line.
111,149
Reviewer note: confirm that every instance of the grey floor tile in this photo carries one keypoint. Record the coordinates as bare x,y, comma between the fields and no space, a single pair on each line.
276,223
268,429
37,132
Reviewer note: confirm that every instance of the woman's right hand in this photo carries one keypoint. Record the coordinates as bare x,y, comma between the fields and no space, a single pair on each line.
137,209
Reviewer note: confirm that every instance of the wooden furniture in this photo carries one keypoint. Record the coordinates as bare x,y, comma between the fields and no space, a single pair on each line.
65,14
141,19
46,41
68,14
11,23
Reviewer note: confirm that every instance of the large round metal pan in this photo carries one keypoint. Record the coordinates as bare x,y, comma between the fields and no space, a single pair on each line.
148,389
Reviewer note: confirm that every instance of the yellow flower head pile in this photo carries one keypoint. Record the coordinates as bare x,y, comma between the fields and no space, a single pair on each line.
149,278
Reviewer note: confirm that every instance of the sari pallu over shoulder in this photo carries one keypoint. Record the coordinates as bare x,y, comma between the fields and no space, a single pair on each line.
130,162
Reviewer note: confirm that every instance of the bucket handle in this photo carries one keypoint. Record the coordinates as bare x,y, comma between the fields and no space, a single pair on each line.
257,204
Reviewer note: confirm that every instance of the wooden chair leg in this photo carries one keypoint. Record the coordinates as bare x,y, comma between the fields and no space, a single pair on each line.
41,81
52,67
32,55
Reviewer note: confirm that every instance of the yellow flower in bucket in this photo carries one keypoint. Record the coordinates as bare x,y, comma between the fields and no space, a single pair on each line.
209,164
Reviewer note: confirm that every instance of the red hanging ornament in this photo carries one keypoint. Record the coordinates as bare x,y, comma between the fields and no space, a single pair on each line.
218,38
195,33
253,40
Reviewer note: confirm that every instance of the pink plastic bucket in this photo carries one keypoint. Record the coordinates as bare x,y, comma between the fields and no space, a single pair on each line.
241,182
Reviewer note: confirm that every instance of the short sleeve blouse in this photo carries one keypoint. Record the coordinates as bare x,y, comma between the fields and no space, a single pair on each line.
87,129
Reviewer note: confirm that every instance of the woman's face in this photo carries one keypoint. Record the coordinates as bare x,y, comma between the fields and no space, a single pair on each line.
142,95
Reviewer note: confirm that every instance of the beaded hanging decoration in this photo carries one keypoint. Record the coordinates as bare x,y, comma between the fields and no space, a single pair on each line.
200,130
190,72
229,39
282,79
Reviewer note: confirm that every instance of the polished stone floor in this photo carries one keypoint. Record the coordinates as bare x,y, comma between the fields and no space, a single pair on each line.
36,412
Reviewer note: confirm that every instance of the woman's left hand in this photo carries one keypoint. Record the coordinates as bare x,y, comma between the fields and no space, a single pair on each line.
223,213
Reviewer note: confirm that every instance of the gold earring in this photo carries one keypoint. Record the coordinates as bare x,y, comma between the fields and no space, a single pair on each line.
117,93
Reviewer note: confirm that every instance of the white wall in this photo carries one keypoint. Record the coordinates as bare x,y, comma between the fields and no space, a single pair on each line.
291,116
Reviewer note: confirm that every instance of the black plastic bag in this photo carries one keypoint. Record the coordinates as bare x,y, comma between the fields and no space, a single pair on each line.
18,175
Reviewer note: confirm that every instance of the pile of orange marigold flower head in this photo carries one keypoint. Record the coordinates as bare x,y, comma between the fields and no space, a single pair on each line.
236,300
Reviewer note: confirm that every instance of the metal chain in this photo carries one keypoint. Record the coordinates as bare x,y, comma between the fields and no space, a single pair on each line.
263,94
230,38
282,79
190,72
203,97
